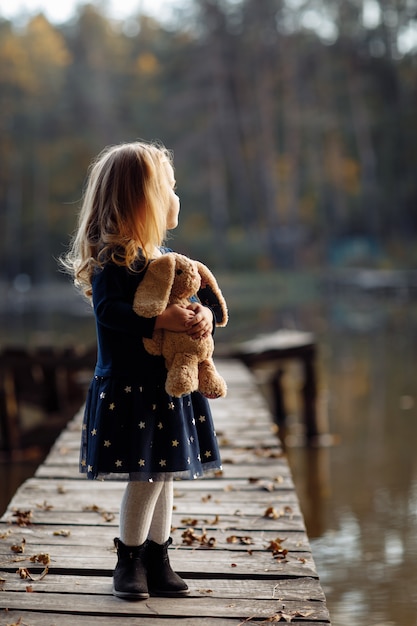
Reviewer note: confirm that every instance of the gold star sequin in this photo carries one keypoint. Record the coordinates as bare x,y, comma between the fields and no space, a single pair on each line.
94,432
160,426
107,443
175,443
207,454
141,424
162,463
128,389
118,463
112,406
154,407
171,406
202,418
102,395
83,463
141,462
90,468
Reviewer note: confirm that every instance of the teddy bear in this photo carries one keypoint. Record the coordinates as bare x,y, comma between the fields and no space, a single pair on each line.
173,279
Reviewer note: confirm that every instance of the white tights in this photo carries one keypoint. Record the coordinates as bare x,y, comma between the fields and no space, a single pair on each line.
146,512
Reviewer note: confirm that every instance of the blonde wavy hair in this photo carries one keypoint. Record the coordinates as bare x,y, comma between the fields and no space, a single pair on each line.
123,212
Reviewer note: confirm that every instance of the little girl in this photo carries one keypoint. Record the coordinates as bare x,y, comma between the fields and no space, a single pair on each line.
132,428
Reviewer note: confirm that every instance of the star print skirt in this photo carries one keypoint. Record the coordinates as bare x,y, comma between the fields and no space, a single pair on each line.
142,433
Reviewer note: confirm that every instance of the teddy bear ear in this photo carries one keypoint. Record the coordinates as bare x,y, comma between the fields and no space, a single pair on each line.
152,295
211,296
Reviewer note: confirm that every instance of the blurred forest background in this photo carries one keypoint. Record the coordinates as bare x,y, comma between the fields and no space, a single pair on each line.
293,125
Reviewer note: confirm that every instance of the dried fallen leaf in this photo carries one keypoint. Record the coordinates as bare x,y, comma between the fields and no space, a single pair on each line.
19,548
45,506
189,537
267,486
106,515
244,540
192,521
61,489
248,619
275,546
18,623
206,498
189,521
92,507
6,534
29,589
62,533
23,518
25,574
42,558
272,513
287,616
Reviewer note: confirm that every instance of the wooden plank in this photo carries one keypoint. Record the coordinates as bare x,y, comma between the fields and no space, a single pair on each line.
189,562
299,589
192,606
29,618
237,581
44,538
224,523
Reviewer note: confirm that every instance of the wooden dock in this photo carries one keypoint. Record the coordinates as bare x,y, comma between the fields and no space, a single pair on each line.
239,538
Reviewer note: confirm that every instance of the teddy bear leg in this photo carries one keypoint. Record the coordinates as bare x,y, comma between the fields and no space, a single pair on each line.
210,383
182,377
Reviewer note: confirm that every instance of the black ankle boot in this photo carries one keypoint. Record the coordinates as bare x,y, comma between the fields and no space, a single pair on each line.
129,577
162,580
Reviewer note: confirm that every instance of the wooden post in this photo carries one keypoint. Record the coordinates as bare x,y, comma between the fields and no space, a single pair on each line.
280,346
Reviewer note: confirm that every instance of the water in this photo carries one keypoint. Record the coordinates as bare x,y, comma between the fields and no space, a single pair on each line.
359,496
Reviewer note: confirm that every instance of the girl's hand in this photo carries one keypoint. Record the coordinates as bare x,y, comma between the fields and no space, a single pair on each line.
201,325
175,318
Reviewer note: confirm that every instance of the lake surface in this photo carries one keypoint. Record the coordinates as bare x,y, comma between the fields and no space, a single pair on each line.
359,495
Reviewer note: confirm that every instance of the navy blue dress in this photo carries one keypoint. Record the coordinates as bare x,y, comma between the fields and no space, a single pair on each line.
132,428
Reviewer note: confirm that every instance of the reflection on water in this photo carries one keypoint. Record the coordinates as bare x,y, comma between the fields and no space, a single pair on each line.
359,497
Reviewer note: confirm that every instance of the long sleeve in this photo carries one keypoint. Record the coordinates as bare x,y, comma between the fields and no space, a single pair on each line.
113,292
119,330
